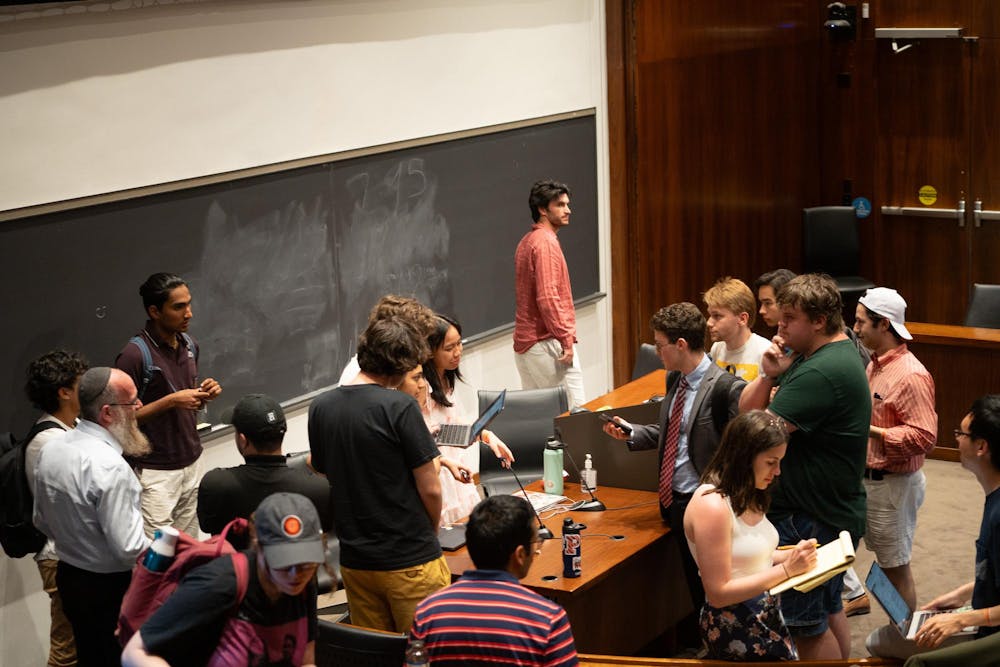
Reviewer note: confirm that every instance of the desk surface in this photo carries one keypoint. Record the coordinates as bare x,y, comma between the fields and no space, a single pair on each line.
638,519
633,393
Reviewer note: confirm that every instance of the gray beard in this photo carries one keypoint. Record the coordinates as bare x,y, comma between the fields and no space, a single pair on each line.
134,442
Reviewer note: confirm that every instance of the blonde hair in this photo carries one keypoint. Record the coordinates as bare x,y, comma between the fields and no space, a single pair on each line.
732,294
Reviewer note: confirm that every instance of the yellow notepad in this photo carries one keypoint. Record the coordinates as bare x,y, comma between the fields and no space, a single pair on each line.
831,559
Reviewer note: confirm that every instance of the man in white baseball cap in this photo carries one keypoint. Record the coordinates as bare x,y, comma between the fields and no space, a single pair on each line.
903,430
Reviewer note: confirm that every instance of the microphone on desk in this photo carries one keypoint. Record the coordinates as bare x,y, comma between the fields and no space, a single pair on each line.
592,505
543,532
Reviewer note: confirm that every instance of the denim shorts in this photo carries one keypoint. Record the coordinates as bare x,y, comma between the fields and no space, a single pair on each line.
806,613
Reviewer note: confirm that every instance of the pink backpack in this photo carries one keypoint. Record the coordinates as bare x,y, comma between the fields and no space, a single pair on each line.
149,590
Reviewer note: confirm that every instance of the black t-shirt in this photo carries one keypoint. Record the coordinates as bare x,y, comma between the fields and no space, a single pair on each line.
367,440
186,629
986,590
227,493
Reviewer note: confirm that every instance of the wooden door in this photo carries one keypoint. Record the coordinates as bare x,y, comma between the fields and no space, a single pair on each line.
922,164
984,192
937,125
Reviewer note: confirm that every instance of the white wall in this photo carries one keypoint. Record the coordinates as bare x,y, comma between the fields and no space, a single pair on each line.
98,97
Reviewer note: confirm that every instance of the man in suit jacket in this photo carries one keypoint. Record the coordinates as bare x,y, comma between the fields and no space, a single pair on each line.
688,431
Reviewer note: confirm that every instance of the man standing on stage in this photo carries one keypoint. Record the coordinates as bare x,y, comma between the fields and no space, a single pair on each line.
545,319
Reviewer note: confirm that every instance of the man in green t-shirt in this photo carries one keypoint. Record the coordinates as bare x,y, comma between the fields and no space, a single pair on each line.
822,396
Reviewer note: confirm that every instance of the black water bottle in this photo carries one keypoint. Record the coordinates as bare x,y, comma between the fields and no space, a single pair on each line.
572,547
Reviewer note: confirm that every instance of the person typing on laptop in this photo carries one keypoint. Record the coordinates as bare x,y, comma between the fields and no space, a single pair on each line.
442,374
978,439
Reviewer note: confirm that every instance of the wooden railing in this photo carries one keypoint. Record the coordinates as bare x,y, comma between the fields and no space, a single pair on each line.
965,364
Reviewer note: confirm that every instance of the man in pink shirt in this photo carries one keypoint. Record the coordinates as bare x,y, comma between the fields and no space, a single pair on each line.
545,321
903,430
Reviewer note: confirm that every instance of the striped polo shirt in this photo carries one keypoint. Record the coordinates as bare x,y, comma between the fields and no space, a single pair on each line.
488,617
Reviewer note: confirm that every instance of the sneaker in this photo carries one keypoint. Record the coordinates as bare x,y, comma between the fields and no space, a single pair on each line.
858,606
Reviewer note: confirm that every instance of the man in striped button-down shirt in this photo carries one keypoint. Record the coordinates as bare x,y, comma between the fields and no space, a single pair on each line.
487,617
903,430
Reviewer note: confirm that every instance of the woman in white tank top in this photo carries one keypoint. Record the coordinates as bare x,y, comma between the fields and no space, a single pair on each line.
735,545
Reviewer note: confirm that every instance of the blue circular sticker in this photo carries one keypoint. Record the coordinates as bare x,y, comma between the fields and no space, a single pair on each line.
862,207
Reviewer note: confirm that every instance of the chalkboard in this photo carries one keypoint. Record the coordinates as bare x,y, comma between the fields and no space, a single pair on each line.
284,267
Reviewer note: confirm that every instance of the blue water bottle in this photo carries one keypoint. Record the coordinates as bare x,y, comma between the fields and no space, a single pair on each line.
552,467
572,547
160,553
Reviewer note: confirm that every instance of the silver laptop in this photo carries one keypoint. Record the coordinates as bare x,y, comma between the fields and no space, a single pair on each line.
905,620
463,435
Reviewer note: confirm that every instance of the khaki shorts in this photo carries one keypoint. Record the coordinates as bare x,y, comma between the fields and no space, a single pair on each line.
385,600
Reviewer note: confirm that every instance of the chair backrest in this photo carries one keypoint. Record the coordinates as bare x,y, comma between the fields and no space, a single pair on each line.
327,578
830,241
342,644
984,307
525,424
646,361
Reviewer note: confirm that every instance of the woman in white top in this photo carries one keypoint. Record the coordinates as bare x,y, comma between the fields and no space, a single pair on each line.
442,374
735,545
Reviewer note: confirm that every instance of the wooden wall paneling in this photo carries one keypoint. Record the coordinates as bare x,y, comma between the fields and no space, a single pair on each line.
965,364
847,130
726,115
921,13
922,108
625,313
984,19
984,247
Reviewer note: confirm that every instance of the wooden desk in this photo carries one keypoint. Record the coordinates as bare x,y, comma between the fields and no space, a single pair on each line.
633,393
965,364
629,592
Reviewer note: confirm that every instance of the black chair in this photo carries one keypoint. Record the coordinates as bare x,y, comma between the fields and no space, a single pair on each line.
646,361
525,424
830,245
340,644
984,307
327,578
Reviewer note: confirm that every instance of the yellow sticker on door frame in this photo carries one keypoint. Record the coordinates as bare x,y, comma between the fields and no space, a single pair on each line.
927,195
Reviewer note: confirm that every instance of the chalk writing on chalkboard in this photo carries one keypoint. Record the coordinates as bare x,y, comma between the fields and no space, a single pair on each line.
285,266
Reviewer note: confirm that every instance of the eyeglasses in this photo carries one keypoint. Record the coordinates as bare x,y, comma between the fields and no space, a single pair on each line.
659,346
959,432
134,403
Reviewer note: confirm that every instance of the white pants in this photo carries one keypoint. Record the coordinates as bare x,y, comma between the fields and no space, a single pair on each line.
170,498
539,367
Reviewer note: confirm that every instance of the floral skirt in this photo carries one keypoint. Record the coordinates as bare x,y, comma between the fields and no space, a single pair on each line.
750,631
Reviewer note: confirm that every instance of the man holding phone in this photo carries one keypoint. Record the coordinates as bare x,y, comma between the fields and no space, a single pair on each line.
686,435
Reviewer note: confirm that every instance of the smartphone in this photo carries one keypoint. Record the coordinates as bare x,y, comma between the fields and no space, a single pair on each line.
627,430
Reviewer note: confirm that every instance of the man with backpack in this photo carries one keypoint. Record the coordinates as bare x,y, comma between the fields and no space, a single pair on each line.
87,500
255,607
162,360
52,388
700,400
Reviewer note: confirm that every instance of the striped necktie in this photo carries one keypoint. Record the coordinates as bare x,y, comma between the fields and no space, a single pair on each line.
670,444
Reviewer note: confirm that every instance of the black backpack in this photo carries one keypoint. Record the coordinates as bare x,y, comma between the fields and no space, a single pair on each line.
18,534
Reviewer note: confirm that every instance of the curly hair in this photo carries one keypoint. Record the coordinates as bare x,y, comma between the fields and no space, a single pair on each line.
391,347
46,375
681,320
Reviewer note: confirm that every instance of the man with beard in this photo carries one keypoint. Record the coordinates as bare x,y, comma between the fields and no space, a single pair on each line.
87,500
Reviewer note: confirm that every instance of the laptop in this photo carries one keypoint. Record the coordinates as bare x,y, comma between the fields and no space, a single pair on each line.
463,435
452,538
905,620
